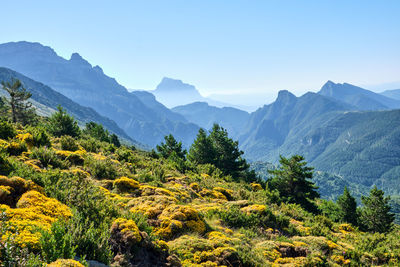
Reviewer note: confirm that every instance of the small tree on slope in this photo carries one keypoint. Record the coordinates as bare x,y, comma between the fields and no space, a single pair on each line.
375,215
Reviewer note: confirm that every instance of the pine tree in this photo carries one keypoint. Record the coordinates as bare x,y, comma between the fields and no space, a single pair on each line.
21,108
60,123
97,131
291,179
375,215
348,207
115,140
171,146
202,150
228,156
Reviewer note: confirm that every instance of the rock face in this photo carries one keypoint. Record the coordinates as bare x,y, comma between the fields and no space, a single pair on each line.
173,93
89,86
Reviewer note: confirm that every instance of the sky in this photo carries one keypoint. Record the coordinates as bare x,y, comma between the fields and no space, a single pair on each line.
221,47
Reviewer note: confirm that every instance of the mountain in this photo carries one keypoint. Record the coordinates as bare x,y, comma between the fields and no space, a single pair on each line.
204,115
360,146
361,98
271,126
173,93
395,94
46,100
89,86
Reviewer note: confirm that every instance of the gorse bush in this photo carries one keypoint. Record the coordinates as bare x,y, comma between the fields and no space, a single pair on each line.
49,158
102,169
40,136
7,130
68,143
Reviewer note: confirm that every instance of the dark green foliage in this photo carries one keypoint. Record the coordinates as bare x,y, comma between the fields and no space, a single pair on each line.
202,150
320,226
7,130
115,140
5,166
375,215
291,179
234,217
57,243
40,136
228,156
348,207
90,144
68,143
331,210
97,131
60,123
171,147
220,150
21,110
48,158
102,169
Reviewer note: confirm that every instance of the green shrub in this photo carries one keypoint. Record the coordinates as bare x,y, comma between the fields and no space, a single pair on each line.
102,169
320,226
16,148
7,130
40,136
61,123
125,155
57,243
68,143
5,166
48,157
90,144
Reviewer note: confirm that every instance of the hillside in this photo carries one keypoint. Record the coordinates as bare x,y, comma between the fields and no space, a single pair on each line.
395,94
48,100
356,96
89,86
127,207
205,116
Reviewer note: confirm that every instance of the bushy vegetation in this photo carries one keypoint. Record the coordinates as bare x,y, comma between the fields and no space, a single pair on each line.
70,194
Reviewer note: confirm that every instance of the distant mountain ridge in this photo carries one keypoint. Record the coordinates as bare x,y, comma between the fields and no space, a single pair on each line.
204,115
173,93
50,99
361,98
89,86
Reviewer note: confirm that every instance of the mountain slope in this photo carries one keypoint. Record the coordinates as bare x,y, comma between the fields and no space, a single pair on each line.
269,127
361,98
50,99
395,94
89,86
360,146
205,116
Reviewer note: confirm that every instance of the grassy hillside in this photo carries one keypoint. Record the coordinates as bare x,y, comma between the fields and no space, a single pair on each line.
85,199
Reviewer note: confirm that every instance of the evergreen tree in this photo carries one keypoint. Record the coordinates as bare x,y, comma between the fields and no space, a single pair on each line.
202,150
375,215
171,146
60,123
348,207
115,140
228,156
97,131
291,179
21,108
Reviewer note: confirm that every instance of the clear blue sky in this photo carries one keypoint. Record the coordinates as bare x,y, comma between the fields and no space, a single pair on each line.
220,46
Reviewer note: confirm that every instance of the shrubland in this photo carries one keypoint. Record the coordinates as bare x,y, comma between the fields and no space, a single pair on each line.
71,197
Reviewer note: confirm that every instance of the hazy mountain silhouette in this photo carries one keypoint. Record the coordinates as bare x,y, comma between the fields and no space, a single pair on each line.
205,116
89,86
